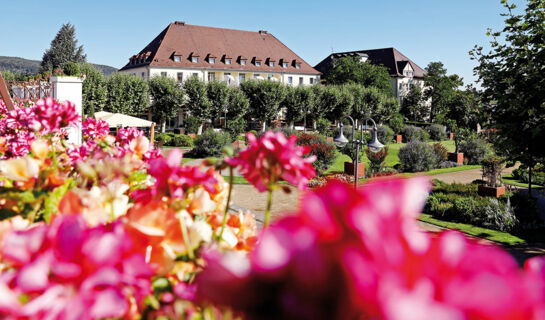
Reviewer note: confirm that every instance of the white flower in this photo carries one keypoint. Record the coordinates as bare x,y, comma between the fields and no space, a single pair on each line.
199,231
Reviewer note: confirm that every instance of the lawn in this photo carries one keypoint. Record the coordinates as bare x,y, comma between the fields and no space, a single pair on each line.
489,234
508,179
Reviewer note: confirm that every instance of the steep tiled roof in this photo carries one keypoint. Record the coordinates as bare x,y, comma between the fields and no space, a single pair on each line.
391,58
190,40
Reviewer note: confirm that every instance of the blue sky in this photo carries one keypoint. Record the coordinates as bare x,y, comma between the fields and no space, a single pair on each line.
111,31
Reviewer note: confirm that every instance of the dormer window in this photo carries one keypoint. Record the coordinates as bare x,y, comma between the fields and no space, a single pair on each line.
271,63
195,59
177,59
285,65
258,63
227,61
243,62
212,60
298,65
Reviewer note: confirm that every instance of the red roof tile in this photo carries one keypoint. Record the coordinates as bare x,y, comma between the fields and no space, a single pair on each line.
191,40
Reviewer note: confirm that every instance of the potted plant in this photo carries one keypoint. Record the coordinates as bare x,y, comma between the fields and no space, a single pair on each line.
350,167
493,186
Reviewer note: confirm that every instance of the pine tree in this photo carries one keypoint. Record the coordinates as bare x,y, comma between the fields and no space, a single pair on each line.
64,48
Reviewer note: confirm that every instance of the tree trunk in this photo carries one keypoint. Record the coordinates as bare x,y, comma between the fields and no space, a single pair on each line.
530,181
163,126
264,128
199,131
314,125
291,125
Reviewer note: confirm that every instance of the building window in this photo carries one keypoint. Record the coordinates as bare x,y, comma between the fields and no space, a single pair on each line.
298,66
212,60
228,61
242,62
300,80
271,63
258,63
290,80
284,65
311,80
211,76
163,74
257,75
177,58
195,74
180,76
195,59
241,77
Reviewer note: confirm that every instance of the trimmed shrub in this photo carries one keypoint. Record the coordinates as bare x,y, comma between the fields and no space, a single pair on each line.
323,126
236,127
385,134
182,140
321,148
397,123
437,132
475,150
165,138
211,143
72,69
349,149
412,133
417,156
192,124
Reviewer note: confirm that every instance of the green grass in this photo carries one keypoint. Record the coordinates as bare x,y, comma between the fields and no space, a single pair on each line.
489,234
510,180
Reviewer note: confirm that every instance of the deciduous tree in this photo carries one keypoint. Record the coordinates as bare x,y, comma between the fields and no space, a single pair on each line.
265,98
126,94
197,102
94,90
351,70
439,89
167,98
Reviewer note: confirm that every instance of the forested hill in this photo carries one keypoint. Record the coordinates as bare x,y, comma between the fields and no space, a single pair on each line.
26,66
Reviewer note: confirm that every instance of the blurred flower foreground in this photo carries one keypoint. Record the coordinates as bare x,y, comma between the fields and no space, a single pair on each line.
112,228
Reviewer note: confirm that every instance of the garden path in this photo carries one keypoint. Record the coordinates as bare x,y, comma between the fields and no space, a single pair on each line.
466,176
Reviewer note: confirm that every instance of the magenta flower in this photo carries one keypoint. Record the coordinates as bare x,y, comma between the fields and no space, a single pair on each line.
359,254
68,270
126,135
53,115
94,128
274,157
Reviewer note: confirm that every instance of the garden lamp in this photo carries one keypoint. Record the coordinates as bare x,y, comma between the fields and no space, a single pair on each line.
340,141
375,145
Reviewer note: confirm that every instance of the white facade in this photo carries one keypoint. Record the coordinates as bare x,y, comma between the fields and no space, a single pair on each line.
233,77
70,89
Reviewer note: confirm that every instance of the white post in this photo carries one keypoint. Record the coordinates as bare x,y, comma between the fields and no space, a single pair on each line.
70,89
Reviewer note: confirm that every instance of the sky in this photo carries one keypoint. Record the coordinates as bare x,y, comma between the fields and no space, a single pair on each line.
112,31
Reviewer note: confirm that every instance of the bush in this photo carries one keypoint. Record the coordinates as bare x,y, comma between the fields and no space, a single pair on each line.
323,126
437,132
165,138
192,124
349,149
321,148
396,123
417,156
72,69
412,133
211,143
441,154
474,149
182,140
538,174
385,134
236,127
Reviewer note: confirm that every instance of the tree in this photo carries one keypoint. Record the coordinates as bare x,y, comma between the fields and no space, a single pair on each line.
63,48
298,101
218,95
197,102
238,105
464,108
167,98
439,88
265,98
126,94
351,70
413,106
511,74
94,89
328,99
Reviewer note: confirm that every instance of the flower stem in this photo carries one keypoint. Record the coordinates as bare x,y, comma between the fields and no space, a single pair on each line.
268,211
55,165
226,212
185,234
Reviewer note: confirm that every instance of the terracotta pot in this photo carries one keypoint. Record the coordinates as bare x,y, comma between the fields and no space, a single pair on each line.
398,138
192,135
457,157
349,169
450,135
487,191
330,139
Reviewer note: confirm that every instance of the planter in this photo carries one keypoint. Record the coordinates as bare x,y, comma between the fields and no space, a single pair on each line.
349,169
192,135
457,157
450,135
487,191
398,138
330,139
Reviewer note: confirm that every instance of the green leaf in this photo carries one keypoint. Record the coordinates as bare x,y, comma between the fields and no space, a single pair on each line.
51,203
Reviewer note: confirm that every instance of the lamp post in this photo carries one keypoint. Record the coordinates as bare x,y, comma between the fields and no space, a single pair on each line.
375,145
225,119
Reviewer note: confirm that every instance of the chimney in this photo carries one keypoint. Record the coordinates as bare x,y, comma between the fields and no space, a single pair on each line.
263,32
180,23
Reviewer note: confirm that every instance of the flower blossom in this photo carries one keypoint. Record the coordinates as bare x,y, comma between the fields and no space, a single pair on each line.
126,135
93,129
274,157
70,271
359,254
54,116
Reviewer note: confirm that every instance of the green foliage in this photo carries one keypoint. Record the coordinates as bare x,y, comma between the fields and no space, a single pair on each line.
167,97
437,132
412,133
417,156
413,104
511,74
218,95
197,100
376,160
94,92
182,140
440,88
236,126
298,101
165,138
319,147
72,69
191,124
475,150
331,101
441,154
348,70
238,105
538,174
349,148
397,123
265,98
63,49
384,134
323,126
211,143
465,109
126,94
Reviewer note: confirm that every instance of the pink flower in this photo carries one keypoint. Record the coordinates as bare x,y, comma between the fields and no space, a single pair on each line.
94,128
274,157
53,115
360,254
70,270
126,135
